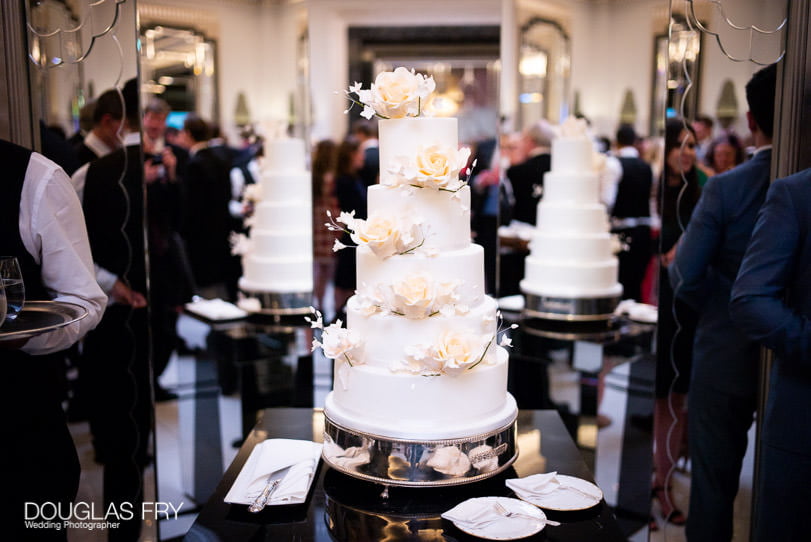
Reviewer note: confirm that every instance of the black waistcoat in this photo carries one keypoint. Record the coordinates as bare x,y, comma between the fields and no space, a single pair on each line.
633,192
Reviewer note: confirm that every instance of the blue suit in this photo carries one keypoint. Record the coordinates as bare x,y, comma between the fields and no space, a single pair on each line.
771,302
723,385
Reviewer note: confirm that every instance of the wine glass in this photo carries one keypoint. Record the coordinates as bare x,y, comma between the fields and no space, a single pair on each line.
13,285
2,304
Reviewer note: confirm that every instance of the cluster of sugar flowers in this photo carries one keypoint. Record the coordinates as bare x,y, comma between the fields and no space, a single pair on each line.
415,297
434,167
393,95
337,342
454,352
384,235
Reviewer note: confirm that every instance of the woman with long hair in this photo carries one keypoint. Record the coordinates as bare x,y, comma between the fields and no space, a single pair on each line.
351,193
680,190
323,178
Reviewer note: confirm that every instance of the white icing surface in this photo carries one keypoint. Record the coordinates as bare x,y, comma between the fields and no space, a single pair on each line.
571,248
284,155
289,186
571,188
465,265
281,259
573,155
445,216
402,137
386,336
572,251
407,406
564,279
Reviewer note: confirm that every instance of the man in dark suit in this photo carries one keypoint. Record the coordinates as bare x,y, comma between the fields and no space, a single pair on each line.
630,214
365,131
207,220
771,302
116,354
723,385
527,177
103,137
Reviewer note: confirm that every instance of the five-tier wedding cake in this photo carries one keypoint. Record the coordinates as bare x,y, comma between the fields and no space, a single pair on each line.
419,358
571,272
277,258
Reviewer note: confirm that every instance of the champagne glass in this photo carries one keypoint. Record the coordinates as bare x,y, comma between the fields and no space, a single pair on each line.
13,285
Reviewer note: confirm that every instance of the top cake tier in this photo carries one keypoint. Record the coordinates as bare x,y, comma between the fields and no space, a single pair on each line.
284,155
572,155
402,139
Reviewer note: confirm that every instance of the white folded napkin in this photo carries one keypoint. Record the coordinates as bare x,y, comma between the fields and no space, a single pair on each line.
216,309
473,514
540,485
293,462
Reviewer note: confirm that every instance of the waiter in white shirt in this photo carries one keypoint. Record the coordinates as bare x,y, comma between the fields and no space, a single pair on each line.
41,224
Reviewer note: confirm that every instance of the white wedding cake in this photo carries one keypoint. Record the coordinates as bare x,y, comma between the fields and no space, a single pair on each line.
572,253
419,357
278,255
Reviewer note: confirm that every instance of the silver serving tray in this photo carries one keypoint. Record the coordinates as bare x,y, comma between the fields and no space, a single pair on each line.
38,317
399,462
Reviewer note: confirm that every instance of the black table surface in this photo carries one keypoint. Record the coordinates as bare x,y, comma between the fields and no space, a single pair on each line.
342,508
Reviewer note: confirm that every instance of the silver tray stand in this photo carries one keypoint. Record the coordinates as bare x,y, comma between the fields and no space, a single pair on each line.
570,308
397,462
276,303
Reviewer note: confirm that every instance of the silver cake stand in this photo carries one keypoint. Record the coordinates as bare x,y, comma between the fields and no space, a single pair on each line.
570,309
419,463
281,303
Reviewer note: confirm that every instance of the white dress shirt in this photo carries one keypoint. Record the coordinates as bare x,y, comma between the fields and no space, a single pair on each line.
52,229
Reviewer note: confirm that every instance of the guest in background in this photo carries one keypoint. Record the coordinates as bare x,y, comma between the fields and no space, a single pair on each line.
702,127
365,132
351,193
41,224
156,111
526,178
116,354
676,327
105,136
724,382
207,222
724,153
85,124
324,199
630,213
771,303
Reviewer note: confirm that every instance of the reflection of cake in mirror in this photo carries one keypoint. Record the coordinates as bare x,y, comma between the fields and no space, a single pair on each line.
277,258
571,272
420,356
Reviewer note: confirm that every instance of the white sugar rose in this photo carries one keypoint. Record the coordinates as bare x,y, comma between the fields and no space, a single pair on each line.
439,167
459,351
414,296
419,360
398,94
379,233
341,343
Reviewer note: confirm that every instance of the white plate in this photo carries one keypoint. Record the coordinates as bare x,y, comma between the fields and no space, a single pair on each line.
513,528
567,499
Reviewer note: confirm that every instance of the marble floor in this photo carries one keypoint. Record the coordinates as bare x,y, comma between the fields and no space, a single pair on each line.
175,443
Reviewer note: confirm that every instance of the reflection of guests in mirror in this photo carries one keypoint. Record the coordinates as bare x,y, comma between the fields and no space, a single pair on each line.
723,387
207,220
630,213
365,132
351,193
155,131
526,178
115,369
85,124
724,153
103,138
324,199
681,186
702,127
41,224
771,302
